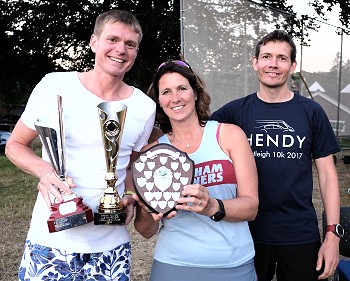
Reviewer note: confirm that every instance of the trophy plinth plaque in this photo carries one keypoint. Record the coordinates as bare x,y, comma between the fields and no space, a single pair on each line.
71,212
159,175
112,117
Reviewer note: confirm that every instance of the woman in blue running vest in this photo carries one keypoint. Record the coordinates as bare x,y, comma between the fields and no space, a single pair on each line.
207,237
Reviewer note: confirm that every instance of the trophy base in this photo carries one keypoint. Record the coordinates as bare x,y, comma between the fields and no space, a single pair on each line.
116,218
68,215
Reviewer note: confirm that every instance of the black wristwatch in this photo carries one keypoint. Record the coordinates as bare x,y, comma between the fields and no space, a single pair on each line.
219,215
337,229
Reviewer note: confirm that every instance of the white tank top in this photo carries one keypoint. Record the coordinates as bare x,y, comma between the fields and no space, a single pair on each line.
194,240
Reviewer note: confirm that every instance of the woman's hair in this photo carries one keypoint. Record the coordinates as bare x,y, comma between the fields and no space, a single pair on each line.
203,99
277,36
113,16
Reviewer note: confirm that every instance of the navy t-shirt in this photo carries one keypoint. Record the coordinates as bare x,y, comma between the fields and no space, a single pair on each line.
284,138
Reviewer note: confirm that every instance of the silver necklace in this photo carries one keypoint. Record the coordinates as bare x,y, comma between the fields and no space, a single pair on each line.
188,143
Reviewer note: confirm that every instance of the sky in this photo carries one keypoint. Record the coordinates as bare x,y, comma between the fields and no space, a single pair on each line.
324,44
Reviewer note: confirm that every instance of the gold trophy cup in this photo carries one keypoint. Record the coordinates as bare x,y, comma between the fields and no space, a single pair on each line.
112,117
71,212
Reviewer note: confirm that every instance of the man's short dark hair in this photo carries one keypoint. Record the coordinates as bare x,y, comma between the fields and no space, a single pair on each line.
277,36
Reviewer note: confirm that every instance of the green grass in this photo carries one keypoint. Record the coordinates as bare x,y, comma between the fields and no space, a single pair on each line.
18,191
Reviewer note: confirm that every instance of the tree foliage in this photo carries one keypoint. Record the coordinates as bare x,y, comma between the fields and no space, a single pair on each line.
299,24
41,36
322,7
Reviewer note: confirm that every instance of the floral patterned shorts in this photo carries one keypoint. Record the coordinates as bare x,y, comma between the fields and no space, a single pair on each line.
45,263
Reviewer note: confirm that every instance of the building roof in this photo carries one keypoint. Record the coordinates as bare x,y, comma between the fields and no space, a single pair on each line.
315,87
346,90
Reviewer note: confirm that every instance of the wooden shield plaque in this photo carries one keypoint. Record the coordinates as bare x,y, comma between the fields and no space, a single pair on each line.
159,175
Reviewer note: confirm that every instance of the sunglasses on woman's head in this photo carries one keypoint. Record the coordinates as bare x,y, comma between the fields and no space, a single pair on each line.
177,62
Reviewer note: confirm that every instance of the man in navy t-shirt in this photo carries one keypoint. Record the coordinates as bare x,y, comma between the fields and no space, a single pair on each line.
286,132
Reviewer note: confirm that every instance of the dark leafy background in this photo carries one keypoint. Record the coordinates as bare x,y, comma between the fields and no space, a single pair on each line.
39,36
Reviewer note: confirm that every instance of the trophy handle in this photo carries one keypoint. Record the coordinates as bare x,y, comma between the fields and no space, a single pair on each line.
61,157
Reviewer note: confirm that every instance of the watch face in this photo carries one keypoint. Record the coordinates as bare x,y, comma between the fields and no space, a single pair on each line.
339,230
218,216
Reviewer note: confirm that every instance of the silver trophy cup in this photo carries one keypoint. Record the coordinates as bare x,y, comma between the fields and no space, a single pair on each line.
71,212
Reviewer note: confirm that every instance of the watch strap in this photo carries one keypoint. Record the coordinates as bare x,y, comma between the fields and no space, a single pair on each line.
337,229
